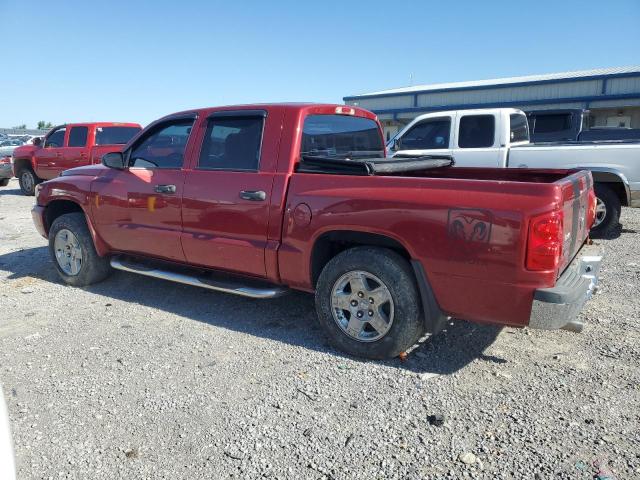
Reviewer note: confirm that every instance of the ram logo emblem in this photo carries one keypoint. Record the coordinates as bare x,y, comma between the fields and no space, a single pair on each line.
470,225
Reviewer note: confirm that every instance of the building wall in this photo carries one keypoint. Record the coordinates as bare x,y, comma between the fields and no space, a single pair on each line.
607,96
625,116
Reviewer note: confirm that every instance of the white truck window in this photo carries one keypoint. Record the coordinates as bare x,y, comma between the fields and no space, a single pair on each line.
427,135
477,131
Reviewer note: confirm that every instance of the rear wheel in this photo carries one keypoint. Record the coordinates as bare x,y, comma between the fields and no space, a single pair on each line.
4,182
607,211
28,181
368,304
73,253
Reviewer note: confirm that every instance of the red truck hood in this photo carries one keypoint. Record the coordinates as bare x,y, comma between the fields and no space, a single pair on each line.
25,151
86,171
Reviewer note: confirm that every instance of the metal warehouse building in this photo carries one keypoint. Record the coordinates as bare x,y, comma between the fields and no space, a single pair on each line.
611,94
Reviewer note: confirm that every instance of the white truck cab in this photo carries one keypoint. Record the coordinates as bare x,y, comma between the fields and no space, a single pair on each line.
499,138
474,138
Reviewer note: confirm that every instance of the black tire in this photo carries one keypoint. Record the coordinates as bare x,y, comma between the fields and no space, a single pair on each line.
396,275
613,208
93,268
28,181
4,182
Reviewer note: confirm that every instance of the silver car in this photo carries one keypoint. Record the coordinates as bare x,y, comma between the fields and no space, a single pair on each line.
6,171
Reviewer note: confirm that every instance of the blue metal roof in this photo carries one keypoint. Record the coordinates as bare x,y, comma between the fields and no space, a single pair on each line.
595,74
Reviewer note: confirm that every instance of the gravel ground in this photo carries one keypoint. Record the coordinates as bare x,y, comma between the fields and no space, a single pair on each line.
138,378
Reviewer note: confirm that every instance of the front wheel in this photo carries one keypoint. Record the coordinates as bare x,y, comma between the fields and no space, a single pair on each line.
607,211
73,253
28,181
368,304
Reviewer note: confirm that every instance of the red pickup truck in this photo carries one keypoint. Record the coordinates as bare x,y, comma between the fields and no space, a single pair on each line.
258,199
68,146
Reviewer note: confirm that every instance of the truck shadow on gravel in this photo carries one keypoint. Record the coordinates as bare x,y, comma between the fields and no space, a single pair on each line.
10,191
290,319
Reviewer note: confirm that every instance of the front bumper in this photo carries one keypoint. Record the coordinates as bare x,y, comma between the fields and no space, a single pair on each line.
558,306
37,213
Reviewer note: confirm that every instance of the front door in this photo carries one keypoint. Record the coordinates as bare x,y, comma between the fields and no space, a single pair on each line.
77,153
227,195
477,141
50,156
138,209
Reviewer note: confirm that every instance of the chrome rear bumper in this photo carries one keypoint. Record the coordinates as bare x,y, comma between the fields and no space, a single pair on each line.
558,306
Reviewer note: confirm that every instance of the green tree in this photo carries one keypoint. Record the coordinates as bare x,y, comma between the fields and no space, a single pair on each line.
20,127
42,125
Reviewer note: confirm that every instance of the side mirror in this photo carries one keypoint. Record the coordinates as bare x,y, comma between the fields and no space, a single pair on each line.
113,160
37,141
395,144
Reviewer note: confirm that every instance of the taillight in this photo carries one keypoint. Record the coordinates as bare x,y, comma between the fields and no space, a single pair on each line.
544,246
593,203
5,160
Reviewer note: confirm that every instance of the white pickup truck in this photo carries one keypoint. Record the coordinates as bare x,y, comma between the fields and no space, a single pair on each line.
500,138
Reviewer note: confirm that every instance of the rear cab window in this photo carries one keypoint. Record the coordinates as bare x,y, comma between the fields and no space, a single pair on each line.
115,135
549,123
341,136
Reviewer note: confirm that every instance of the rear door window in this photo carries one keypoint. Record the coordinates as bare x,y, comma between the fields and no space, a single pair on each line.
477,131
232,143
519,127
427,135
78,136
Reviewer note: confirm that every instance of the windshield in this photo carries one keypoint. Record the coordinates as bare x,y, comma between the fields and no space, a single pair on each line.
341,136
115,135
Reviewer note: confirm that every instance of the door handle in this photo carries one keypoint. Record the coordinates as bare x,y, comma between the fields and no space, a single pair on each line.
254,195
58,154
165,189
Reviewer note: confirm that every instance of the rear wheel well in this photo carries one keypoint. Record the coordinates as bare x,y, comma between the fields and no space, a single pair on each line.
58,208
330,244
614,182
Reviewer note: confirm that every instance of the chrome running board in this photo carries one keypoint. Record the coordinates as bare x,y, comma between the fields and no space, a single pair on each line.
252,288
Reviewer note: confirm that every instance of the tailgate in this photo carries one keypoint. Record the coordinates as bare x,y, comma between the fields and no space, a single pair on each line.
577,212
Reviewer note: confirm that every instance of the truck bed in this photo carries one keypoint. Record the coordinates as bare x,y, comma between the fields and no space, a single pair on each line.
420,207
428,166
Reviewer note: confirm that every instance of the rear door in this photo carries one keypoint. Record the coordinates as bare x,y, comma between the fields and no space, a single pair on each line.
48,158
227,193
477,140
76,153
432,136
